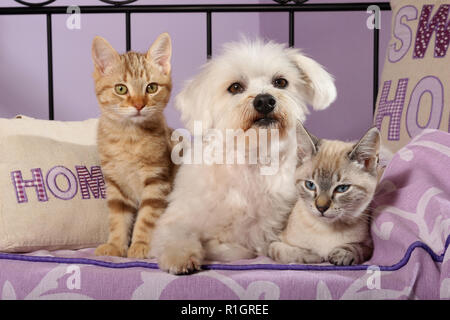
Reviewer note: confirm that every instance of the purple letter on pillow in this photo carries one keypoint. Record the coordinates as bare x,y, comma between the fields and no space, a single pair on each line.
433,86
402,32
91,180
426,29
392,108
52,184
37,182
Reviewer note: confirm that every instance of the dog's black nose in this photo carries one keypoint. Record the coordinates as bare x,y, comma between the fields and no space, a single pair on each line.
264,103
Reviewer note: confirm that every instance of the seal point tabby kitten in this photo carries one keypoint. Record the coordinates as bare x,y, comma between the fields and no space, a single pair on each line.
133,141
336,181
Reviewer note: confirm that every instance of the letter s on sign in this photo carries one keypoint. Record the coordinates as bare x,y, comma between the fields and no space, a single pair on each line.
402,32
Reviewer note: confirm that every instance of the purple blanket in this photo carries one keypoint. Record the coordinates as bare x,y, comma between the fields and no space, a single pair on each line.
411,231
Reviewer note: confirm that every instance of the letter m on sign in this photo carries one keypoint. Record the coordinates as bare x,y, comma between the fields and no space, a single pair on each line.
92,181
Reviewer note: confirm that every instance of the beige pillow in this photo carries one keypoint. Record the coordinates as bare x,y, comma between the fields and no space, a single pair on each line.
79,132
52,189
414,90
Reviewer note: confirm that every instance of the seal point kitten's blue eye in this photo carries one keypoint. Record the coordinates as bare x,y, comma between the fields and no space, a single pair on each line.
310,185
342,188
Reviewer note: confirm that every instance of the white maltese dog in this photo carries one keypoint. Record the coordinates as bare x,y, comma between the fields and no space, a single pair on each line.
226,212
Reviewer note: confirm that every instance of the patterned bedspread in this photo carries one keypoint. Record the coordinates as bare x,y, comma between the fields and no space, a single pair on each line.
411,231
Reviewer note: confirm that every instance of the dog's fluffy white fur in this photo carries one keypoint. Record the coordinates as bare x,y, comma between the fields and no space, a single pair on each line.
230,212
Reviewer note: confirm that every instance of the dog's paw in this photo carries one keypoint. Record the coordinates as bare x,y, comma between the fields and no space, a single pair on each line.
180,261
342,257
277,252
223,251
138,250
285,253
309,257
108,249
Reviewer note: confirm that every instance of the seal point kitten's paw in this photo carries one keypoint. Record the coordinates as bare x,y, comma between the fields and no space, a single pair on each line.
342,257
138,250
108,249
179,262
284,253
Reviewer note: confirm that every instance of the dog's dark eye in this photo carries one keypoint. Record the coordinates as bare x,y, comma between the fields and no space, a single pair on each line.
280,83
236,88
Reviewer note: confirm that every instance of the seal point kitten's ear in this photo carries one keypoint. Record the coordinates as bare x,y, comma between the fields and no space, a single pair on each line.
366,150
103,55
160,52
307,143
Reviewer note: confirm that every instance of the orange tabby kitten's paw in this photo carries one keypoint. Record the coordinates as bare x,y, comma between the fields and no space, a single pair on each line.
180,262
108,249
138,250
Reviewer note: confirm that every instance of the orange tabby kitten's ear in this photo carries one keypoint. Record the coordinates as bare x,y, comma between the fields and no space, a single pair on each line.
103,55
161,51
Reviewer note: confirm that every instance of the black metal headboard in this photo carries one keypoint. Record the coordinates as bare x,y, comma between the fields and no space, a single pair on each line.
125,7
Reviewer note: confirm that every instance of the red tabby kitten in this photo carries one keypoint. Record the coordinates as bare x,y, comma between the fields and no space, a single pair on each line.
133,142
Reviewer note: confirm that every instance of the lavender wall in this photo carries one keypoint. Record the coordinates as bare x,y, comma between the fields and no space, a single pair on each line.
340,41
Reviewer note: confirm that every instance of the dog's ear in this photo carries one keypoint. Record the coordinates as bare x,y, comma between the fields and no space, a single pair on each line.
307,143
319,90
194,103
